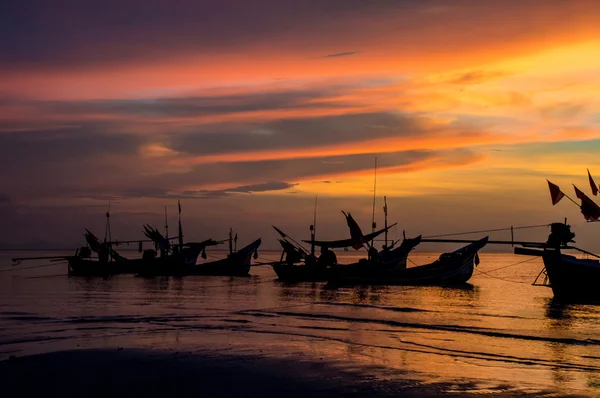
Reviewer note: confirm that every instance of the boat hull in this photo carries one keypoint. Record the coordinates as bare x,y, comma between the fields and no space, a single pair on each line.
300,273
572,279
236,264
450,269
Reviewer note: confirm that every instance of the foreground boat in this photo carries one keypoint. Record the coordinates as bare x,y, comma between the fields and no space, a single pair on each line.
572,279
451,268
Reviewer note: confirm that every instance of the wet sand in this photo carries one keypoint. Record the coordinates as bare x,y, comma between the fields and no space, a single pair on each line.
123,372
497,336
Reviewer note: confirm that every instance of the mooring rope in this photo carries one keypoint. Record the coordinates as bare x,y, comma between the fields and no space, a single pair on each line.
34,266
487,230
497,277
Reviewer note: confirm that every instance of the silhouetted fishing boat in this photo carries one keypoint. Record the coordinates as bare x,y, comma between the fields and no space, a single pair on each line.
572,279
106,261
451,268
299,265
237,263
184,262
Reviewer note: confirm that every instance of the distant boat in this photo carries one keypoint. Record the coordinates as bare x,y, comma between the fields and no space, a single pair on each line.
106,261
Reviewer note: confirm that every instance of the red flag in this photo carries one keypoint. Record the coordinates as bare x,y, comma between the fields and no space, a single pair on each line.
589,209
592,184
555,193
578,193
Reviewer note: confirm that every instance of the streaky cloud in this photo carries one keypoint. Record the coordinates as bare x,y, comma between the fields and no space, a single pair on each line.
344,54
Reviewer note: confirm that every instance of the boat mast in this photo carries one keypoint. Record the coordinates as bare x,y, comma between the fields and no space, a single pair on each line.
180,230
313,230
107,234
166,224
386,224
373,225
230,240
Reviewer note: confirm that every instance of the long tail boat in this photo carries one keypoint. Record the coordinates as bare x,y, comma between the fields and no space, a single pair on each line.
237,263
96,258
297,264
572,279
450,269
181,260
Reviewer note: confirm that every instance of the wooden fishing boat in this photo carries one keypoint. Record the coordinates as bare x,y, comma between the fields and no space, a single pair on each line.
236,263
572,279
451,268
299,265
94,259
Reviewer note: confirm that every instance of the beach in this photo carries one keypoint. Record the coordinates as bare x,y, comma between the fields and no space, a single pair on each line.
224,336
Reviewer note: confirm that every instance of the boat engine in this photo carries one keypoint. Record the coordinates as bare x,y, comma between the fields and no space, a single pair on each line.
560,235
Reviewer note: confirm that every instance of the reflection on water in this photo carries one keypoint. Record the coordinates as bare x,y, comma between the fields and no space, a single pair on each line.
490,330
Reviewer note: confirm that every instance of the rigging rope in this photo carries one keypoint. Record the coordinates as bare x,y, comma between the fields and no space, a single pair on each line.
504,267
486,230
497,277
34,266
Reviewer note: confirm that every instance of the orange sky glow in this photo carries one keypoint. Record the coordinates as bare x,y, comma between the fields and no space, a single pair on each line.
466,99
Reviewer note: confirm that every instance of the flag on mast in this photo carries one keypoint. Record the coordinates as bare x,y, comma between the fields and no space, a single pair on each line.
592,184
589,209
555,193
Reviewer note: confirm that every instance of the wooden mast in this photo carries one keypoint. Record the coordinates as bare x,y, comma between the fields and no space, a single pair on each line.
107,234
166,224
180,230
386,223
313,230
373,225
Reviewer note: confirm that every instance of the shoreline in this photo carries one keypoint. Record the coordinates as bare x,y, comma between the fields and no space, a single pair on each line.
154,373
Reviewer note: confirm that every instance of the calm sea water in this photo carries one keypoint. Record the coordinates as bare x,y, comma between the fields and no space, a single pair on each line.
497,330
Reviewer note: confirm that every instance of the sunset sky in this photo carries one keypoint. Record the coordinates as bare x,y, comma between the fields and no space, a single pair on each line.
246,110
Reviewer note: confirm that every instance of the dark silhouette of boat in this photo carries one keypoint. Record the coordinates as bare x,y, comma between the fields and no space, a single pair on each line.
96,258
99,258
237,263
297,264
450,269
572,279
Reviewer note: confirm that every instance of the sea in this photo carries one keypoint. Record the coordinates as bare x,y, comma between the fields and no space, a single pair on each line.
497,333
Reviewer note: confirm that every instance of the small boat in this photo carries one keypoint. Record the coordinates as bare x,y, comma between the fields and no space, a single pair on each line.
297,264
183,262
450,269
107,261
572,279
237,263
